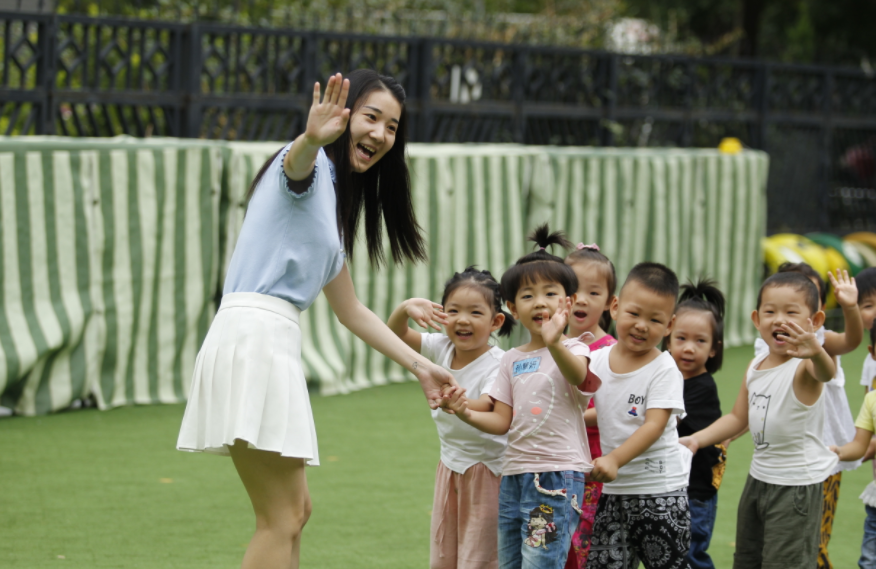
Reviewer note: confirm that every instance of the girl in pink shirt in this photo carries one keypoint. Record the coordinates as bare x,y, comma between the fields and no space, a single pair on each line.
540,394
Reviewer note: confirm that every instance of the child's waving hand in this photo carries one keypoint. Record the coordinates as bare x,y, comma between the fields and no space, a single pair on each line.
552,330
328,119
804,343
845,289
425,313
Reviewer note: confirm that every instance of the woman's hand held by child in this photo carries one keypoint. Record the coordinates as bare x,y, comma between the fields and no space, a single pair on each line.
327,119
845,289
691,443
805,344
425,313
552,330
604,469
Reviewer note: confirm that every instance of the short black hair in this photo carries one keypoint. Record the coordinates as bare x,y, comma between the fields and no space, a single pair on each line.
540,265
705,296
806,269
655,277
797,281
866,282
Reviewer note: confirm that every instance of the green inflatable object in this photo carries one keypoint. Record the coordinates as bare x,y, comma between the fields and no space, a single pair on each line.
852,256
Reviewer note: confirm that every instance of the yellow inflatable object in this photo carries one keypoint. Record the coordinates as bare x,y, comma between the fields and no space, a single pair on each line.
730,145
791,248
863,237
867,253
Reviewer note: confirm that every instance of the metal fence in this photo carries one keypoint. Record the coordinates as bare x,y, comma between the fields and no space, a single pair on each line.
83,76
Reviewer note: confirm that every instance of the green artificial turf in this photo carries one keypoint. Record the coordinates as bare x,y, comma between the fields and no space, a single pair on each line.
90,489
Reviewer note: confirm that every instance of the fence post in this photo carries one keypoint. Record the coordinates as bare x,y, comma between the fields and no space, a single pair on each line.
609,100
45,74
518,81
190,73
762,104
827,147
424,90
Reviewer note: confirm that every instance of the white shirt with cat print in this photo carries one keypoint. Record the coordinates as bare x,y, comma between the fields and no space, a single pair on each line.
788,450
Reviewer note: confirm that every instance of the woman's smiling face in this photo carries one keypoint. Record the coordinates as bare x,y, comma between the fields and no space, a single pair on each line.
373,128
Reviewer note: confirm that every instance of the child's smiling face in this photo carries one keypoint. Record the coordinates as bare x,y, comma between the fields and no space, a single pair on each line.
535,303
643,317
690,343
470,318
867,306
592,299
779,306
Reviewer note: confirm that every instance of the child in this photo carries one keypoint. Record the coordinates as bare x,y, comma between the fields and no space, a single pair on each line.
779,514
643,513
540,394
697,346
465,508
854,451
866,281
597,282
839,426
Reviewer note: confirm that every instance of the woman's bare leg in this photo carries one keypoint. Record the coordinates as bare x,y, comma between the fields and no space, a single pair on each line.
277,488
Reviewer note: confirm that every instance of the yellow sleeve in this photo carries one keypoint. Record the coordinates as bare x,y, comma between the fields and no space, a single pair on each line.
865,418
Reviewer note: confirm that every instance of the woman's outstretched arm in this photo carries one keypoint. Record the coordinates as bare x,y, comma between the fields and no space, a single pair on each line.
356,317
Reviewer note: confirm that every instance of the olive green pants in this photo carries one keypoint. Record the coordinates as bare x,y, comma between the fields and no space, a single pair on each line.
778,527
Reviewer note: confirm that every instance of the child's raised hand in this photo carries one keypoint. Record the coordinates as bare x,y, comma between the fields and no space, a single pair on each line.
604,469
426,313
804,343
844,288
327,119
552,330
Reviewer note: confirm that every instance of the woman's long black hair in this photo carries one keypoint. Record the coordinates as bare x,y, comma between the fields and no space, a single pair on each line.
384,189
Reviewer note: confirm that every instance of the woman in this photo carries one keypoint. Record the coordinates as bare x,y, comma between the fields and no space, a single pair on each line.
249,397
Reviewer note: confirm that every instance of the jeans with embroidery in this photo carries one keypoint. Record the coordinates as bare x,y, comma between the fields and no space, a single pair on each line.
702,523
537,515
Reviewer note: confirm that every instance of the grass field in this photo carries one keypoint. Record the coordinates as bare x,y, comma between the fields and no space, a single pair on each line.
89,489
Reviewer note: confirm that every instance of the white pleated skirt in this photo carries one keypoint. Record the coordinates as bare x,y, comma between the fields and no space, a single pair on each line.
248,382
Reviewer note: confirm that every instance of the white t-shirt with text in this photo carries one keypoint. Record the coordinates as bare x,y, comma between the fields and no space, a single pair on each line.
463,446
621,403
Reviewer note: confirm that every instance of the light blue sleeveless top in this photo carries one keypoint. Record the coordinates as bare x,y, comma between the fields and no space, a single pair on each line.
289,246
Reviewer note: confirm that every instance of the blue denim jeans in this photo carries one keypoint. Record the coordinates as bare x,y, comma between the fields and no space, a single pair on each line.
537,518
868,546
702,523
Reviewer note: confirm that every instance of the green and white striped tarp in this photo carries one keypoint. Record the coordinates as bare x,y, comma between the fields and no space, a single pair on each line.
112,250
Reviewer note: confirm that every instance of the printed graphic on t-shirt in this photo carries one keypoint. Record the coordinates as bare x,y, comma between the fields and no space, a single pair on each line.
535,406
758,406
655,465
636,402
633,411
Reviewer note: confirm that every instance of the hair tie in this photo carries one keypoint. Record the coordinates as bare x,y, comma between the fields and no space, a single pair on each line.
541,248
592,246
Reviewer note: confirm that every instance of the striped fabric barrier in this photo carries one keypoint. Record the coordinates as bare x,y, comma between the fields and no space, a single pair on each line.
112,250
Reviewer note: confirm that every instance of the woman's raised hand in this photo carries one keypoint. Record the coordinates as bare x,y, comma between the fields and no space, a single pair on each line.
328,119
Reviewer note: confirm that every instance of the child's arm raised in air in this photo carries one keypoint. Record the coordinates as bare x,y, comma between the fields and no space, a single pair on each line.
817,367
855,449
422,311
729,426
573,368
495,422
846,292
605,467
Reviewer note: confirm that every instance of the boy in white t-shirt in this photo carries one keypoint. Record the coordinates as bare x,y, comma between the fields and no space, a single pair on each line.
643,511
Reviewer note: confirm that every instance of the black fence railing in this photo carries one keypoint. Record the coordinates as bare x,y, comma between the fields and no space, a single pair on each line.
82,76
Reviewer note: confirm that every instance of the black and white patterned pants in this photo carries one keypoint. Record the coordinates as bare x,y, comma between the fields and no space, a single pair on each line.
651,528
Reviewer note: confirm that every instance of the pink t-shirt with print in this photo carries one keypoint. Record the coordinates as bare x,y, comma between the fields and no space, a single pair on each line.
547,432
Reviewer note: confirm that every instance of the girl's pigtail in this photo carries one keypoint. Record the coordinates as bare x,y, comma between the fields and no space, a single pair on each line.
704,291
